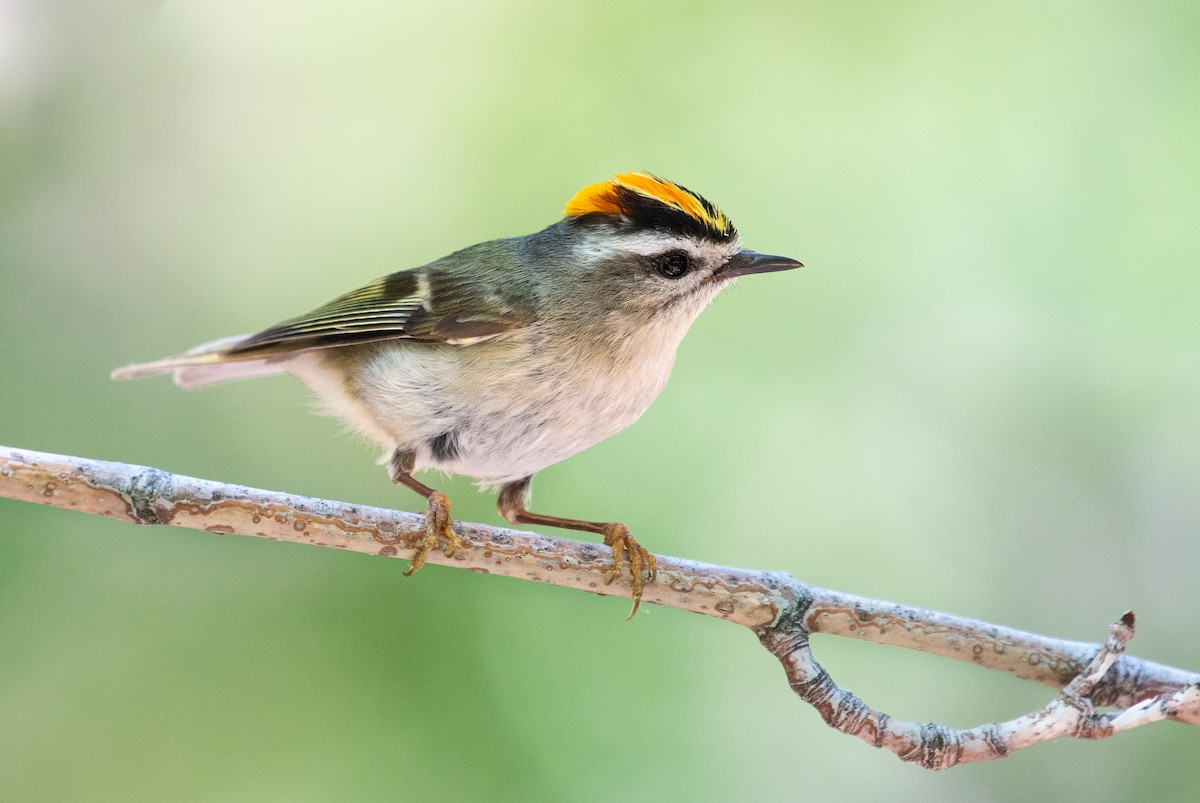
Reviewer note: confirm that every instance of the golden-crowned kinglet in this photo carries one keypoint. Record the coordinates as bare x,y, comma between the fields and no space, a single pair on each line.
511,355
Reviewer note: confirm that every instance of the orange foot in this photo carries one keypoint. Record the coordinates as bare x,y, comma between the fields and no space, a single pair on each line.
642,565
438,525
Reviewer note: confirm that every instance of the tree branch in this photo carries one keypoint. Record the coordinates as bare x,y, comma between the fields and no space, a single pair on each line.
780,610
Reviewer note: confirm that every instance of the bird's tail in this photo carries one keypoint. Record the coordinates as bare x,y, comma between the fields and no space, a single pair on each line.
206,364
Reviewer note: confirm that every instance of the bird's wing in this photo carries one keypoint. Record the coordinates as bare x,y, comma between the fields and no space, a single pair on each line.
425,304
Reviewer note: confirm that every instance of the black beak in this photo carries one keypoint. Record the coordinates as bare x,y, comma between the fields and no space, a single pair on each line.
748,262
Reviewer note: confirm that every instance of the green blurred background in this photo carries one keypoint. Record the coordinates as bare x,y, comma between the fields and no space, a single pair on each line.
980,396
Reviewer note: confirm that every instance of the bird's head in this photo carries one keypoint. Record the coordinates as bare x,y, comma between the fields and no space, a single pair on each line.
654,247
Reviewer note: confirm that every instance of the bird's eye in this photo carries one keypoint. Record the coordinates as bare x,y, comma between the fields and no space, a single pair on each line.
672,264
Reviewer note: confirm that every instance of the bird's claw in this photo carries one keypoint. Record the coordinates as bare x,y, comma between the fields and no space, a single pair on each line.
438,526
643,567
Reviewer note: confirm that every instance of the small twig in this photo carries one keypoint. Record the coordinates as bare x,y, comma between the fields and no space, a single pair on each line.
782,611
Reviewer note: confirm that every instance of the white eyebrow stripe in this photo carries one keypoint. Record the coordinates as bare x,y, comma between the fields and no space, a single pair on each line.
609,244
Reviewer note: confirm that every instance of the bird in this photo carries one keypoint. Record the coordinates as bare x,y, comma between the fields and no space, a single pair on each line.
510,355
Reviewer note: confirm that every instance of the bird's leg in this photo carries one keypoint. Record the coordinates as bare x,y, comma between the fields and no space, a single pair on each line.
438,523
642,565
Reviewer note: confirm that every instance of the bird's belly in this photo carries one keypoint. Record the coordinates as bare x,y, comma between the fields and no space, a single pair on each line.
496,412
502,445
513,431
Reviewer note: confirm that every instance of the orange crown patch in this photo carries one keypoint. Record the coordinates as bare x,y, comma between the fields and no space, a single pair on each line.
624,194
